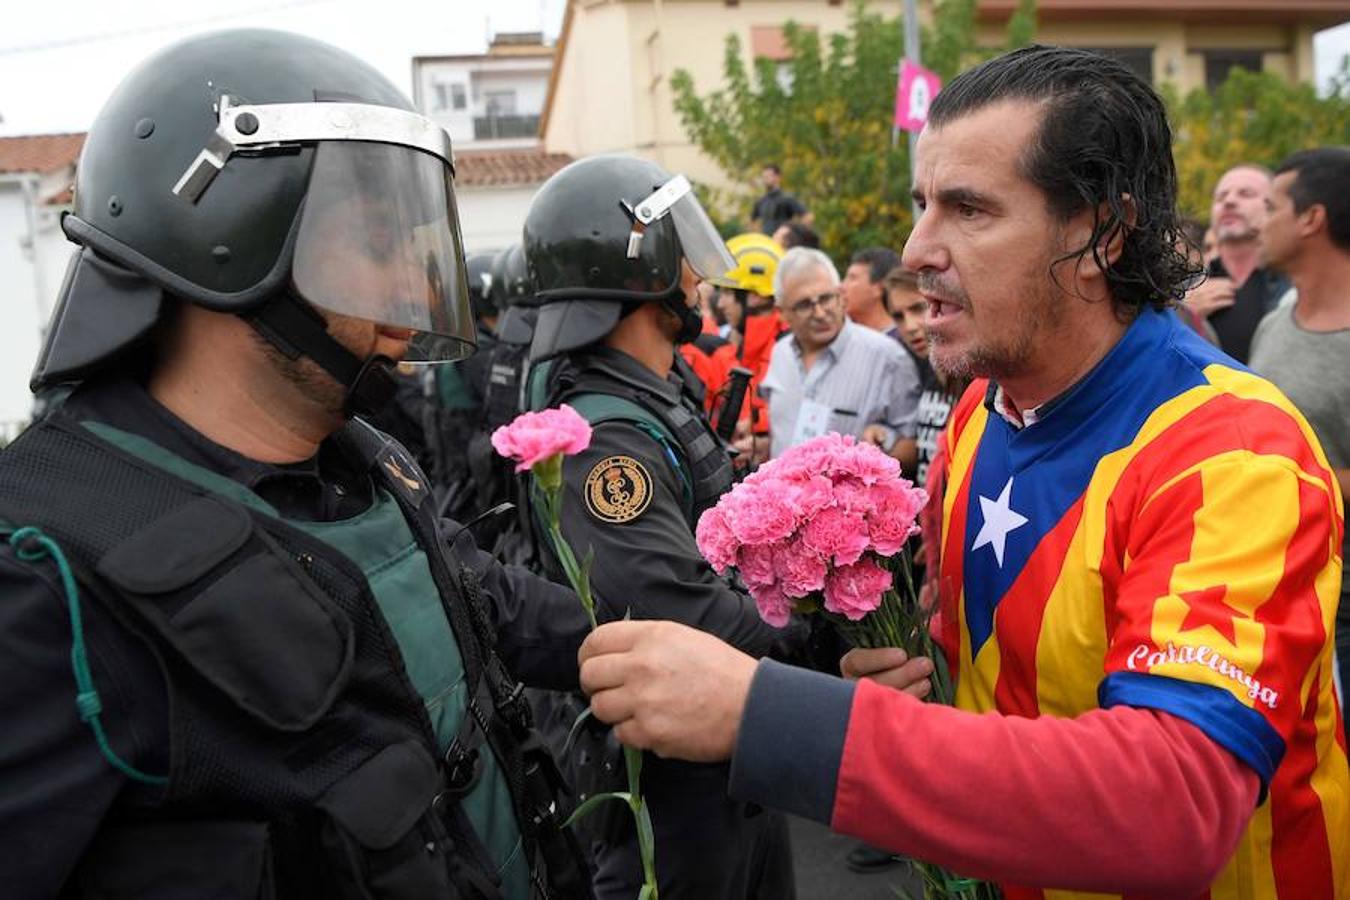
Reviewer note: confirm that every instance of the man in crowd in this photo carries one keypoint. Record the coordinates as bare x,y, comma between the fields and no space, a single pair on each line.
1140,558
1304,345
796,234
452,401
864,288
235,635
832,374
777,207
613,309
1239,290
938,391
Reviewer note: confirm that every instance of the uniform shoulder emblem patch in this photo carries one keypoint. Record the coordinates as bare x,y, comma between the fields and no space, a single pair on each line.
618,489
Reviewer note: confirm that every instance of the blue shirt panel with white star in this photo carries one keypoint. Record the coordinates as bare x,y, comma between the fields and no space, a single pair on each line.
1046,466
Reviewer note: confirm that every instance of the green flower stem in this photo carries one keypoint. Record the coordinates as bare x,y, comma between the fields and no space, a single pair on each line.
579,579
548,479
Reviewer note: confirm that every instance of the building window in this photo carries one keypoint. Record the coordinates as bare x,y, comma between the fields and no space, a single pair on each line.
770,42
440,101
1218,63
500,103
500,119
458,97
1138,60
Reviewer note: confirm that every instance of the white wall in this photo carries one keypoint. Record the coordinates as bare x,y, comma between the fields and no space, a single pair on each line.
527,77
530,89
459,123
22,270
492,217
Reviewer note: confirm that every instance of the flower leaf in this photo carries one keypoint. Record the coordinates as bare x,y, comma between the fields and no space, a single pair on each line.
576,728
592,802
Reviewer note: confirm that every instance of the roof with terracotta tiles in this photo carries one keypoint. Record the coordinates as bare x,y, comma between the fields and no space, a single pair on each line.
485,168
41,153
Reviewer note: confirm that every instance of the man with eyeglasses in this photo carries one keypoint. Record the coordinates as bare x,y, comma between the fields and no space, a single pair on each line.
832,374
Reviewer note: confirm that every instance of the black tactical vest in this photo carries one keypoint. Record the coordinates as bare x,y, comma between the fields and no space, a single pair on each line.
307,768
705,471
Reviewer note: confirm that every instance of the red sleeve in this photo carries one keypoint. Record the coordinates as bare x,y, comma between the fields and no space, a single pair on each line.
1073,804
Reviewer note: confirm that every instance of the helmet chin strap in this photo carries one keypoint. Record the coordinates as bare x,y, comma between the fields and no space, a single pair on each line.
296,329
691,320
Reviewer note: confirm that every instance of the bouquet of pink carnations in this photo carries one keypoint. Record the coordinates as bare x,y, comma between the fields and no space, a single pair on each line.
823,530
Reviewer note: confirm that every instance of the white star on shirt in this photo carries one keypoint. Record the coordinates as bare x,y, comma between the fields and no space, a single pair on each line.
999,521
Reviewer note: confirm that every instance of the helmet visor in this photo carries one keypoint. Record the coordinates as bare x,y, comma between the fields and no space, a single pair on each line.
703,247
379,240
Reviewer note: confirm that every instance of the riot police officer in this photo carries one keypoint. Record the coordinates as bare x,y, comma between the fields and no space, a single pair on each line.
615,248
454,396
239,655
502,379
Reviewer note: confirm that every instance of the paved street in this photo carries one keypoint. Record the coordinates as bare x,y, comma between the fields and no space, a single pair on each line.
822,874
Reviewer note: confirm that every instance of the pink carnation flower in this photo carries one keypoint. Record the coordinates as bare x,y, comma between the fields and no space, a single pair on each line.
893,520
837,533
799,569
535,436
867,463
856,590
818,455
810,495
761,514
774,605
755,562
715,540
854,496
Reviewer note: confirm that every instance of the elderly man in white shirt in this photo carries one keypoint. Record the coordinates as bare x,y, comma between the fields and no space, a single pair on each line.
832,374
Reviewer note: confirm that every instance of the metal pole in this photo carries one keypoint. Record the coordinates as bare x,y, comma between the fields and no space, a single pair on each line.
912,51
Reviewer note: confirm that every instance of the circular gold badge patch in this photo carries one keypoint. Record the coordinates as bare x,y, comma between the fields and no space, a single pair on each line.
618,489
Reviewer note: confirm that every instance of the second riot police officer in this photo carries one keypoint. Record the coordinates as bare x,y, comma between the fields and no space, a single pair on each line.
615,248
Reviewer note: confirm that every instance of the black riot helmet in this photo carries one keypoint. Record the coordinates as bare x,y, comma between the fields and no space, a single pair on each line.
608,232
510,278
272,176
482,296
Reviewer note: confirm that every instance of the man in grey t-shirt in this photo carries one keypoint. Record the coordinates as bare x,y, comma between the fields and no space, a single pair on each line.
1303,346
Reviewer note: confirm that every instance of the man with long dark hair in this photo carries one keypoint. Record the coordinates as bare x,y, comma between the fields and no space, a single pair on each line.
1139,565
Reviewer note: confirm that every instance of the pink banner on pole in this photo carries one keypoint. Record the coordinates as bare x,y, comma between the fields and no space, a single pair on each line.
916,91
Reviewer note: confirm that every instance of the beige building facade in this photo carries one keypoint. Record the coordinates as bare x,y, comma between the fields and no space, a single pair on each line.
610,91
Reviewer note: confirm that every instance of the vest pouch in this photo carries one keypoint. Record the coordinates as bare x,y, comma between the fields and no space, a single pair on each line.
222,860
595,765
238,610
382,841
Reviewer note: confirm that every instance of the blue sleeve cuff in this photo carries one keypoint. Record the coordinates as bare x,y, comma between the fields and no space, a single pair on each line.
791,740
1237,728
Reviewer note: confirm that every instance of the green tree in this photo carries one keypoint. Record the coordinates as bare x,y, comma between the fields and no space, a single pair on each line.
1254,117
825,117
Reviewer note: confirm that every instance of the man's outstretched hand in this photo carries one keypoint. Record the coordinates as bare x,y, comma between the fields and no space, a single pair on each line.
667,687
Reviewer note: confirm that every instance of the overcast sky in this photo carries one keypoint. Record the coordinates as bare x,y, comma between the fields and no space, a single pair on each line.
59,60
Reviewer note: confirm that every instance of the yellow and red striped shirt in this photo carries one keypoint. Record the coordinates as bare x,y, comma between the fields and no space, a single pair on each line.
1166,535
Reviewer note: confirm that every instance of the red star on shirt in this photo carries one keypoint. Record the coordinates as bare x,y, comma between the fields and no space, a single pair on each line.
1206,607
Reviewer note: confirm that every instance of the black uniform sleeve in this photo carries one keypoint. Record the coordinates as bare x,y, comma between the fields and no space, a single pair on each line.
648,565
540,625
55,786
